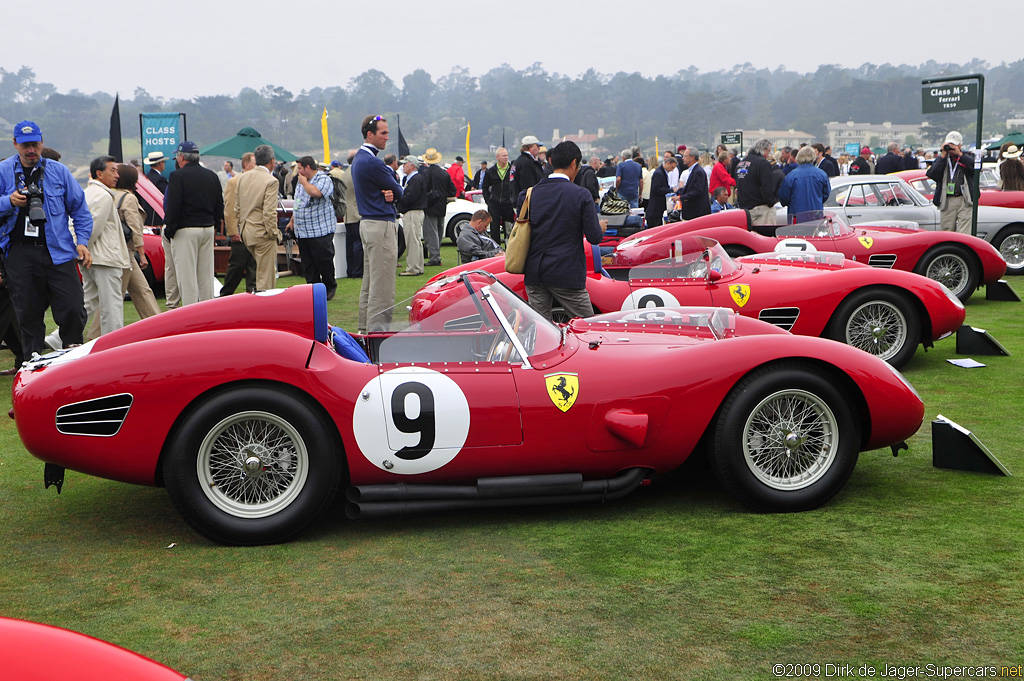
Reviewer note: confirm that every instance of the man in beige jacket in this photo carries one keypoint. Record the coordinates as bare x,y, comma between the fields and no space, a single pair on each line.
102,280
256,212
240,263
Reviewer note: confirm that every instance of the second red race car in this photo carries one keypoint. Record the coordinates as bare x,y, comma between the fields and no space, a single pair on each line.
884,312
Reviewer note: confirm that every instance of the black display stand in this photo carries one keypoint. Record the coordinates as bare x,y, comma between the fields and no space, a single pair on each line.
957,448
1000,290
974,341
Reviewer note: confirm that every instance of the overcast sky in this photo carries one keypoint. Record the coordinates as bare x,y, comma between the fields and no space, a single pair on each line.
185,48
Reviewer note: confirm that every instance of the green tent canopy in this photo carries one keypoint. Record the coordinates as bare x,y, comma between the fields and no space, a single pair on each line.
247,139
1015,137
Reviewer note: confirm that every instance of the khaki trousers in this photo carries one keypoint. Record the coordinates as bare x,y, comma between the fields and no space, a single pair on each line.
264,252
133,281
193,263
412,225
956,216
380,256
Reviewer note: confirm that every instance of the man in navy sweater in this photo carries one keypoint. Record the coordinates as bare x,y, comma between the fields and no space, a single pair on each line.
377,193
561,215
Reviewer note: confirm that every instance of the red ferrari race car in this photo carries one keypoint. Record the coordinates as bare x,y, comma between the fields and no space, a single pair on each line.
38,652
959,261
883,312
991,195
258,409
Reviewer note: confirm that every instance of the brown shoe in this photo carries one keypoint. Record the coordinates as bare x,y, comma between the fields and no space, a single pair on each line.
407,273
8,372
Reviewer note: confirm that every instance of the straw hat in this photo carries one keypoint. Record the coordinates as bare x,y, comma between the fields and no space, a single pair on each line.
431,156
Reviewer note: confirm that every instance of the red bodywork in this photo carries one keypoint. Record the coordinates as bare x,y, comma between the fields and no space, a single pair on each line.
881,246
31,651
171,362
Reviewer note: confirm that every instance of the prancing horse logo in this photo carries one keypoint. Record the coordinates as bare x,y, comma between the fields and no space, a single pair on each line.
563,389
740,294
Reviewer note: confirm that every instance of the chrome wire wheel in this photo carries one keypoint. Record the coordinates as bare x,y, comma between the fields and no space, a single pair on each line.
878,327
950,270
252,464
1012,250
790,440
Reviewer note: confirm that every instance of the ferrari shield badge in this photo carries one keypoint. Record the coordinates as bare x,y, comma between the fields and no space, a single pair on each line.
563,389
740,294
866,241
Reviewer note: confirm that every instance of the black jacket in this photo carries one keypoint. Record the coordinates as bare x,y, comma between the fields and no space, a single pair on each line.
890,163
963,172
526,172
561,215
694,194
194,199
754,182
655,211
414,196
498,193
587,178
439,187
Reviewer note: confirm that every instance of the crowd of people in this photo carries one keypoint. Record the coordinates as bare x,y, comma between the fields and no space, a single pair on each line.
79,255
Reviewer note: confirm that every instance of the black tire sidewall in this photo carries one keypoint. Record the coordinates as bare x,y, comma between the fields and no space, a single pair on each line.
727,458
184,487
973,275
837,328
998,242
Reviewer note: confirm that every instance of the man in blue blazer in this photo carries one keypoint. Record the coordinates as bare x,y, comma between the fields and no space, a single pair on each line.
561,215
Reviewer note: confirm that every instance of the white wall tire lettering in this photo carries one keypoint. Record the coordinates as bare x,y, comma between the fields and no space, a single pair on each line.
412,420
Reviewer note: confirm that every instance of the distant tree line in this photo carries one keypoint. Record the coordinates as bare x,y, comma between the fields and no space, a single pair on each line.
688,107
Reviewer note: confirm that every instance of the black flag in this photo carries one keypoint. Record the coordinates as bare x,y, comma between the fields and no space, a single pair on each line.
503,137
114,147
403,146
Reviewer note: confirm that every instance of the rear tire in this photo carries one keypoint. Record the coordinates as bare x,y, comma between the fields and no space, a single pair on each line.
953,268
251,466
785,440
880,322
1010,244
455,227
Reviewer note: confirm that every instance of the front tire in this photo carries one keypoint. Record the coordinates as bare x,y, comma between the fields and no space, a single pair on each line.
786,440
251,466
882,323
953,268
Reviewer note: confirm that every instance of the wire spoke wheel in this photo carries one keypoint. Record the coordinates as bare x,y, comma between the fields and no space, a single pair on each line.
950,270
252,464
878,327
790,440
1012,250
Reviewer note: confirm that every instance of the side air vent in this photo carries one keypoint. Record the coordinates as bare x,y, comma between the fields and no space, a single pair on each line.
101,417
782,317
886,260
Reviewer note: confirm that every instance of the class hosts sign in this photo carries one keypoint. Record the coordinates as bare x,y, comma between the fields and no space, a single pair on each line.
161,132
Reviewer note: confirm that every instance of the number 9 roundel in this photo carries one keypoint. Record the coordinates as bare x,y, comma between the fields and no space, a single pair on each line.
411,420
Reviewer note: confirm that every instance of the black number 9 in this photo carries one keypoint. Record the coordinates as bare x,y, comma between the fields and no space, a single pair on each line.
424,424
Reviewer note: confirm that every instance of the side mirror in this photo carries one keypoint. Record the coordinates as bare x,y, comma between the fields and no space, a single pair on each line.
714,275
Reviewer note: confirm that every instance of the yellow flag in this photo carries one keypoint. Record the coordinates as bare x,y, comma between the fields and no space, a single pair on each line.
469,165
327,144
656,154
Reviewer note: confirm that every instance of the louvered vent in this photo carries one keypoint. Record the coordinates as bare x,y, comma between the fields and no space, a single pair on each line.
101,417
782,317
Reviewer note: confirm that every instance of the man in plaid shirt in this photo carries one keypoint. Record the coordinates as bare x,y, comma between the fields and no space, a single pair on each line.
313,223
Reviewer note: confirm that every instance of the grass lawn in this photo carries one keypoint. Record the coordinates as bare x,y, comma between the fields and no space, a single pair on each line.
908,565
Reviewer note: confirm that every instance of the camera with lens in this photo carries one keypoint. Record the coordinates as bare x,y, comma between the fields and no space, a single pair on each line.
36,214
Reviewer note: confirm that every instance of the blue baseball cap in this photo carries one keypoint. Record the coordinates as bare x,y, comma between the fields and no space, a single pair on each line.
187,147
27,131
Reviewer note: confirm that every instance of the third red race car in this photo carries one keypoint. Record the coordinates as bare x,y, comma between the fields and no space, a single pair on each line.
959,261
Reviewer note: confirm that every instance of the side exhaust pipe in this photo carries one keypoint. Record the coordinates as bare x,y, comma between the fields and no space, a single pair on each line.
371,501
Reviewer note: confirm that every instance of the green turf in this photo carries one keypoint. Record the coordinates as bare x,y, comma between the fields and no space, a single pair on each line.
908,565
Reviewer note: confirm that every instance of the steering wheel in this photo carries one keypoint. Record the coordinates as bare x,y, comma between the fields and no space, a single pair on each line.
496,345
892,201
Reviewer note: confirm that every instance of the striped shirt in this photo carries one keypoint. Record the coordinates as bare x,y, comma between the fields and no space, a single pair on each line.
315,216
